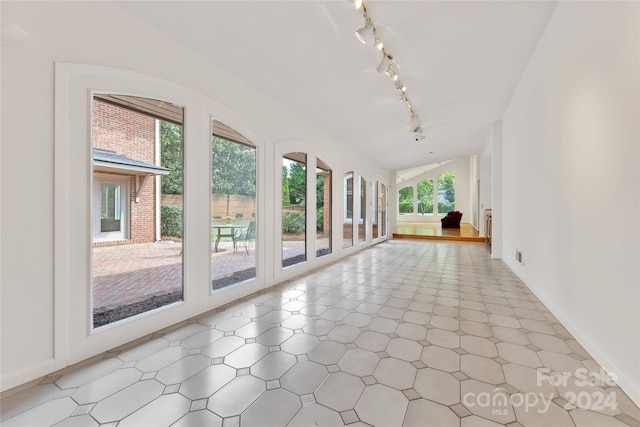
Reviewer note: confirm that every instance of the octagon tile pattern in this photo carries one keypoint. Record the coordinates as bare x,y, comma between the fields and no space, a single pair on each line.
407,333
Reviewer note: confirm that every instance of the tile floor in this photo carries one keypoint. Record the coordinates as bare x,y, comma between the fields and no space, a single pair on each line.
407,333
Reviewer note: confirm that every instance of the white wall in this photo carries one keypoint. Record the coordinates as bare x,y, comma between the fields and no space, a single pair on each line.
474,176
497,189
485,160
463,197
571,179
84,32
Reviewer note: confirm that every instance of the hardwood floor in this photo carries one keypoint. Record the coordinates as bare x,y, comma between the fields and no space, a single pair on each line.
434,231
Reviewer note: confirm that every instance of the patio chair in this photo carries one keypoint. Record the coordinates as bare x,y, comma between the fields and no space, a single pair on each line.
246,236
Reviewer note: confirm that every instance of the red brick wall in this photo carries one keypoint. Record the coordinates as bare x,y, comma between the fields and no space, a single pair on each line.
130,134
326,220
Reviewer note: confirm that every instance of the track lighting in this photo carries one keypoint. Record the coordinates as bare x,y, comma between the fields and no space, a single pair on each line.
414,124
388,66
385,64
365,32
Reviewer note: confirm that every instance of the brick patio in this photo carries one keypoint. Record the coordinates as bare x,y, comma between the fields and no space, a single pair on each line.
132,273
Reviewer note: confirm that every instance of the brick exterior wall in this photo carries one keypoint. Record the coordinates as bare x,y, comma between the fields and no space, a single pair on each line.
326,213
133,135
245,205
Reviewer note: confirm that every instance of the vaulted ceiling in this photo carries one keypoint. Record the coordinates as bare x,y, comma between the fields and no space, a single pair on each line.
460,62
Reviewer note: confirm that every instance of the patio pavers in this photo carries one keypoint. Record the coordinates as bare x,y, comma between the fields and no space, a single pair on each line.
132,273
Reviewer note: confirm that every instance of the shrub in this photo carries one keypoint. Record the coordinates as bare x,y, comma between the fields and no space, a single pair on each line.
239,216
217,217
293,222
320,219
171,220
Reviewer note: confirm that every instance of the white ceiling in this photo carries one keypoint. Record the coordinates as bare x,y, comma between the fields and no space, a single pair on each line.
460,61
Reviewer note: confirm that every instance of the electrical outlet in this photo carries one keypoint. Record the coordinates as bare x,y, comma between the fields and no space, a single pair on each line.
519,256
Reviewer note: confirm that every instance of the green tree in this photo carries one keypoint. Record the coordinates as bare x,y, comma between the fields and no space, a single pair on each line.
405,200
447,192
425,196
171,157
285,186
233,169
297,183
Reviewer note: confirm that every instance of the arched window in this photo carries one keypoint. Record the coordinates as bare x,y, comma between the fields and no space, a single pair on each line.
405,201
375,232
425,197
383,210
136,202
378,210
362,220
447,192
233,207
323,208
347,221
294,208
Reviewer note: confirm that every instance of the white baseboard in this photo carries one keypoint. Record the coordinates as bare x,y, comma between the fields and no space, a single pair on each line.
627,384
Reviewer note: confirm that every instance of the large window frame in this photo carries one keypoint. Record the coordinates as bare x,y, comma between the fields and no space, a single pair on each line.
440,191
294,218
324,213
348,211
362,211
75,86
233,233
378,210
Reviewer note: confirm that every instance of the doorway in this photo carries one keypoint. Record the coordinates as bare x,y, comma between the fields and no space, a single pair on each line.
110,209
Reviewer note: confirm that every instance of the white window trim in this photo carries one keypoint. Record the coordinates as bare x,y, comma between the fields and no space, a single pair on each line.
75,85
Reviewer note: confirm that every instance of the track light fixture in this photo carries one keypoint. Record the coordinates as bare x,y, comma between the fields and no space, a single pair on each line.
365,33
414,124
388,66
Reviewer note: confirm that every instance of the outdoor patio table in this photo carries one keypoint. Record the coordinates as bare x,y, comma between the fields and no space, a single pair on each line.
231,233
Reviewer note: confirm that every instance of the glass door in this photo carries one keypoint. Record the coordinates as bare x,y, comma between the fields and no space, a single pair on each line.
110,210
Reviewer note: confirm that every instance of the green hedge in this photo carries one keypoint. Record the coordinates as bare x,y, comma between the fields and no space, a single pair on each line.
293,222
171,220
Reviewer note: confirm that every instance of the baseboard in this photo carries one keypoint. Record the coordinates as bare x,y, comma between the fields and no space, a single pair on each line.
451,238
15,382
623,381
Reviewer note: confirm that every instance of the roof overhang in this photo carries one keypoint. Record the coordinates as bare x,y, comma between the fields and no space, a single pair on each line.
110,161
102,166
